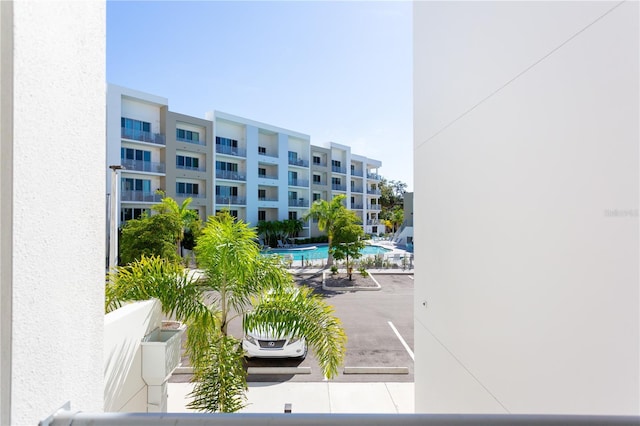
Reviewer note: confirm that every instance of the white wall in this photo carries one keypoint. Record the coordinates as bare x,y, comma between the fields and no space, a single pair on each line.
529,279
56,156
124,328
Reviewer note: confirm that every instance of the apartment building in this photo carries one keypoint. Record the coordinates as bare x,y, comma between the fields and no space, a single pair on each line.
259,172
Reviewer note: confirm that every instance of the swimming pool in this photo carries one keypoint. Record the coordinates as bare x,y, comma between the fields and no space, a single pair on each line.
320,252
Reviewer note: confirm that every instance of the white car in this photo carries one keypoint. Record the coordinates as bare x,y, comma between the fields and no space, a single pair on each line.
266,345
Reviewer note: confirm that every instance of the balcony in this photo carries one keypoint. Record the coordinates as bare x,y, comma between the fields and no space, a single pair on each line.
374,207
225,174
320,163
338,169
357,206
374,192
268,199
358,173
193,169
356,189
298,162
266,176
373,176
374,222
320,182
268,153
300,202
189,194
140,196
338,187
222,200
198,142
230,150
143,166
142,136
299,182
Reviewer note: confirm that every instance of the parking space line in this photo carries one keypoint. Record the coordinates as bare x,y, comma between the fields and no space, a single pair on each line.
410,277
409,351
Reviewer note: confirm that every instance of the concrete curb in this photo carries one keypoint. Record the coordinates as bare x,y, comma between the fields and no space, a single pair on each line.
376,370
326,287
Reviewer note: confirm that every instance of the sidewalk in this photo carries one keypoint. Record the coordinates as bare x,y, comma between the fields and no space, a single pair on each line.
317,397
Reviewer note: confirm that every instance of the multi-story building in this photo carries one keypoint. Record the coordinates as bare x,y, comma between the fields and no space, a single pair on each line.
259,172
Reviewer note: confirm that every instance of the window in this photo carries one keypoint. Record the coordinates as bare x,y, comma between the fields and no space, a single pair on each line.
130,124
353,168
130,184
262,215
335,181
187,188
293,178
317,196
293,156
131,213
293,195
226,142
316,160
336,163
293,215
224,166
184,162
262,194
353,200
262,172
226,191
135,154
262,150
187,135
316,179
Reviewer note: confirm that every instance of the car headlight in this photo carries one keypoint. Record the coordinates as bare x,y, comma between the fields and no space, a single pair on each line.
250,339
294,339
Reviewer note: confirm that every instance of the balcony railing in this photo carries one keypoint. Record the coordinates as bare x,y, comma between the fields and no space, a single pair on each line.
142,136
299,182
339,169
300,202
356,189
298,162
140,196
225,174
195,169
373,192
268,199
357,173
229,150
265,176
320,164
187,194
143,166
198,142
231,200
268,154
356,206
374,176
373,222
374,207
321,182
338,187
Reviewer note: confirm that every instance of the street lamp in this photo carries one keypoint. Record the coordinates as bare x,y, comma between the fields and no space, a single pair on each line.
114,201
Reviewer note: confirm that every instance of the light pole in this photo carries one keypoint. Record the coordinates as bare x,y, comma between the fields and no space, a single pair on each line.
114,201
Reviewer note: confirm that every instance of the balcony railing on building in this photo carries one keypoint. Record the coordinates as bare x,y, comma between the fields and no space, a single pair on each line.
197,142
192,168
231,150
320,164
374,207
357,206
298,202
338,187
140,196
373,176
190,194
373,222
374,192
338,169
268,153
267,176
225,174
299,182
142,136
270,199
143,166
230,200
358,173
298,162
356,189
320,182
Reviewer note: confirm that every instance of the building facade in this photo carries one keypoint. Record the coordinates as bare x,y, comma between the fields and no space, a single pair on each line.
259,172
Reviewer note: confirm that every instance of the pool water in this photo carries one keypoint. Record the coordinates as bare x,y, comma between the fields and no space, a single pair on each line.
320,252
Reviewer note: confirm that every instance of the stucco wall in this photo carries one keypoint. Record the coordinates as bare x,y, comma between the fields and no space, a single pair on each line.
57,208
124,328
526,202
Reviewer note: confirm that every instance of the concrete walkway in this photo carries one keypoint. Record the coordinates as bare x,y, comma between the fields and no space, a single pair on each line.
322,397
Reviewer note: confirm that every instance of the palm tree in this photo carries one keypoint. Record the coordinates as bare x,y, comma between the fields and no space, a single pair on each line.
326,214
188,218
292,227
237,281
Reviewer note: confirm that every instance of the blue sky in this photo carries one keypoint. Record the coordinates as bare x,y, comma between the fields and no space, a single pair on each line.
337,71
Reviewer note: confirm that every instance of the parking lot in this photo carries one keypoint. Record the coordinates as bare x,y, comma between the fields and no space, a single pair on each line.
376,324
